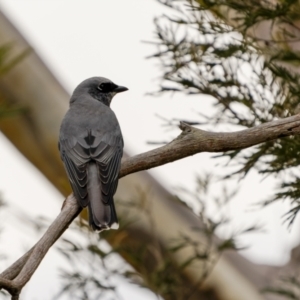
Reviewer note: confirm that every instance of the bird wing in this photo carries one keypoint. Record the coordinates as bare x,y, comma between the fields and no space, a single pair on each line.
105,149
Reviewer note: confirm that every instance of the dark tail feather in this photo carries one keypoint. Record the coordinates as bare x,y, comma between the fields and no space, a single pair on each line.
101,216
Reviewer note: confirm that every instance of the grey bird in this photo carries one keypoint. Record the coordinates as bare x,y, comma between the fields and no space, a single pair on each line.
91,148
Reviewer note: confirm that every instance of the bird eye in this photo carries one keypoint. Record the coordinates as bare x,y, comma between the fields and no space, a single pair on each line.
101,87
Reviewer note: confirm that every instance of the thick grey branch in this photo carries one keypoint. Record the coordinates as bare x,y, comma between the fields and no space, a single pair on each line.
17,275
189,142
192,141
56,229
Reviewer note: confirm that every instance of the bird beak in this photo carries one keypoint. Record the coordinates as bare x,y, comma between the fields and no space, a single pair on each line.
120,89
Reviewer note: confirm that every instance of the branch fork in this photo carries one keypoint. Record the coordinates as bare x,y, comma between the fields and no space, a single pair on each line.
189,142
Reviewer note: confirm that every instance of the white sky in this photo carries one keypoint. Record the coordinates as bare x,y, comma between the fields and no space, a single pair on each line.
82,38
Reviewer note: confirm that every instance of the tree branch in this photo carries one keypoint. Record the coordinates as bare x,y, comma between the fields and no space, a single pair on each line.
17,275
189,142
192,141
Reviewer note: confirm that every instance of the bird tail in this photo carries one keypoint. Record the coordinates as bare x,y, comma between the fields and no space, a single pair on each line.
102,216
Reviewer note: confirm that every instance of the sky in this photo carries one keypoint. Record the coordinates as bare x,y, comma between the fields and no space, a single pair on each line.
78,39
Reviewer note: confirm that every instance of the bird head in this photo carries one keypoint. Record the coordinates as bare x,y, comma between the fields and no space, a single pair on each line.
100,88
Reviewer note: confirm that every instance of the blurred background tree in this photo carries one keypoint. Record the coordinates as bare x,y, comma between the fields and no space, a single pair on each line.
245,57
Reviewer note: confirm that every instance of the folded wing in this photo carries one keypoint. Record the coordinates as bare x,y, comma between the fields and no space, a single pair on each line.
105,151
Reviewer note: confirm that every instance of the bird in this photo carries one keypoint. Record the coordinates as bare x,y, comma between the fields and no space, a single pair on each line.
91,148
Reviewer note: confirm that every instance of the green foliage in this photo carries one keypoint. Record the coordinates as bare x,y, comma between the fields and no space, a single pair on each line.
152,263
95,268
7,62
90,277
288,288
251,78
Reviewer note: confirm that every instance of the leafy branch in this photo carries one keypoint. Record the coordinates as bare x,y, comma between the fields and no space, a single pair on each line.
244,56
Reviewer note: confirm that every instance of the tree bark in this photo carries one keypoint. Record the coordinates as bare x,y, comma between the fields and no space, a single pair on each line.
192,141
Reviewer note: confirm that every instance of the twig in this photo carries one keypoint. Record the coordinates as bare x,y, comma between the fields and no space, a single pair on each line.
189,142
